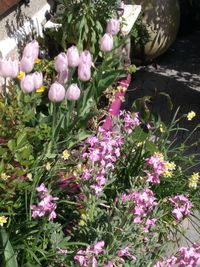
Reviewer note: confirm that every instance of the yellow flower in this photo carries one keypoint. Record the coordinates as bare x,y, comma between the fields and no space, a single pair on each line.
161,128
169,168
139,144
3,220
30,176
20,75
48,166
80,167
37,60
41,89
191,115
160,155
83,217
4,176
193,180
65,154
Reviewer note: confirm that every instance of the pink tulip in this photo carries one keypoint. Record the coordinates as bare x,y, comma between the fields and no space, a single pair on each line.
37,79
73,92
84,72
113,26
63,77
61,62
31,50
27,64
86,58
9,68
107,42
56,92
27,84
73,56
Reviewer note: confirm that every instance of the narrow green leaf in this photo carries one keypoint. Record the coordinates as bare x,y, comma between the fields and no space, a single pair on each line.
9,255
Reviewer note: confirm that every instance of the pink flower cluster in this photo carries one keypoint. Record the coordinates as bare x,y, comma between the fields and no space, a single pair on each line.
144,202
182,206
125,253
130,123
87,258
156,166
189,257
46,206
102,153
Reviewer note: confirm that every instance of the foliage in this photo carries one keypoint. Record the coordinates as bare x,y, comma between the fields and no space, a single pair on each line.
83,22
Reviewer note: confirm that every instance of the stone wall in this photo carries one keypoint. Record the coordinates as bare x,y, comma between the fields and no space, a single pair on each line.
20,25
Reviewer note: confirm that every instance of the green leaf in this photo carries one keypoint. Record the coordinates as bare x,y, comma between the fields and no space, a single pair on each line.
139,135
9,255
151,147
11,144
21,139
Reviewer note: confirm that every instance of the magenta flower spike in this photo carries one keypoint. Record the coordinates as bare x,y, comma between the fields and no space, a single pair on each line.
113,26
9,68
56,92
73,56
61,62
107,42
73,92
27,84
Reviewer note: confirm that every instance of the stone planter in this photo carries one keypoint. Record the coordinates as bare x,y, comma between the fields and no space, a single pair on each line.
162,18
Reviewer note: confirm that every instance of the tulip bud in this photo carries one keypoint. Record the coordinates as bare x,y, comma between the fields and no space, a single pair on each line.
61,62
9,68
56,92
86,58
27,64
31,50
84,72
113,26
73,92
27,84
73,56
37,79
107,42
120,9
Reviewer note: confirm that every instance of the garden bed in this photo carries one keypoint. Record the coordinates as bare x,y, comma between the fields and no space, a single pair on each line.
83,183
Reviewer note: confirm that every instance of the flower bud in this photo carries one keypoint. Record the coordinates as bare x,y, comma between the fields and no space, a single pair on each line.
9,68
73,92
37,79
63,77
56,92
31,50
107,42
61,62
84,72
27,84
73,56
86,58
120,9
26,64
113,26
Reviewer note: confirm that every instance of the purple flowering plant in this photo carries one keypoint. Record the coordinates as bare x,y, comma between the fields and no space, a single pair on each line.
71,196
